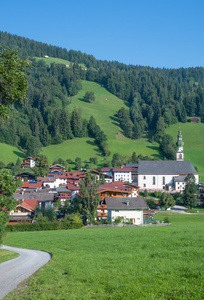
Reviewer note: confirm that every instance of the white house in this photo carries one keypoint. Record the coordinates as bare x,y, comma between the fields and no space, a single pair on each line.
128,208
119,173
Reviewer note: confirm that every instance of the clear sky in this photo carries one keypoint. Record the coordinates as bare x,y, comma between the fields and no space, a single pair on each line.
155,33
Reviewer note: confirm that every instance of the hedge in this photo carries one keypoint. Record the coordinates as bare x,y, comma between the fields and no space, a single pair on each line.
58,225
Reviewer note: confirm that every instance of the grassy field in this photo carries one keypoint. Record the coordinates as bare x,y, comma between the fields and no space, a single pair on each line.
7,255
193,134
103,109
118,263
56,60
10,153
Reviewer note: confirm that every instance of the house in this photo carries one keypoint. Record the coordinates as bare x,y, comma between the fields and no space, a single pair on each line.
128,208
28,162
63,194
119,173
193,120
115,190
31,185
164,175
26,176
57,168
24,211
44,198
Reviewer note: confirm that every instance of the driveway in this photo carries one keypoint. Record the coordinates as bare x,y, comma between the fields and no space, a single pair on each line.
14,271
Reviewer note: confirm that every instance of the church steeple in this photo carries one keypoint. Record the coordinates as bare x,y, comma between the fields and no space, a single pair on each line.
179,144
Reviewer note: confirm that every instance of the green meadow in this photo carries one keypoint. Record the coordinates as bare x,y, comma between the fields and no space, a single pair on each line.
164,262
10,153
103,109
51,60
193,134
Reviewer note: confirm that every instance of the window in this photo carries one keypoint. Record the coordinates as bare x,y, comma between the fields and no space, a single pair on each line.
153,180
144,177
163,180
144,185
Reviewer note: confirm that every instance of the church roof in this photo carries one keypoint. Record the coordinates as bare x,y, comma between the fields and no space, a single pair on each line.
166,167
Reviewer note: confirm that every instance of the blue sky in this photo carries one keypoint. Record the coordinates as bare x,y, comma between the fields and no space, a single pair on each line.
155,33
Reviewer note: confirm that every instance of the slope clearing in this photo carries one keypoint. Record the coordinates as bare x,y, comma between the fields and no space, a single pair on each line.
103,109
193,134
10,153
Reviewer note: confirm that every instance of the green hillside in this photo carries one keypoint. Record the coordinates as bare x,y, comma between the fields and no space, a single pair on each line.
103,109
56,60
193,134
10,153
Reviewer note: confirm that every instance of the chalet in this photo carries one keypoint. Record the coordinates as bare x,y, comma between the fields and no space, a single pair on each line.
63,194
24,211
128,208
26,176
28,162
44,198
31,185
115,190
57,168
193,120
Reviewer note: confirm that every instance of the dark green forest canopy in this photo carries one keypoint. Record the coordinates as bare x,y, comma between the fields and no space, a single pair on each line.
150,94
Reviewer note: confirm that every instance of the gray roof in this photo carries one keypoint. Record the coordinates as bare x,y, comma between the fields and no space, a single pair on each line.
39,196
165,167
121,203
179,178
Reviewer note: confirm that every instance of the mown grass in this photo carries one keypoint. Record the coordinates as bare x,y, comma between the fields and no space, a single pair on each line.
193,134
118,263
7,255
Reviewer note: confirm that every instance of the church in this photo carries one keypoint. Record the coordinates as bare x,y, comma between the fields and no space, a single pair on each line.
168,175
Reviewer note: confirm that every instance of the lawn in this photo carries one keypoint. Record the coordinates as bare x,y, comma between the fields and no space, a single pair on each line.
7,255
118,263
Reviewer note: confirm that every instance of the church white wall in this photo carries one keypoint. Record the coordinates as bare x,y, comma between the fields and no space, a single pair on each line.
146,181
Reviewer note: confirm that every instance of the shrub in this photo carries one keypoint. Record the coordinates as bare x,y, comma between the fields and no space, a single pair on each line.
166,220
118,220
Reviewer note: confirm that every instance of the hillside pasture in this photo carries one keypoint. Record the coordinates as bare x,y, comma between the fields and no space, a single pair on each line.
10,153
51,60
104,109
118,263
193,134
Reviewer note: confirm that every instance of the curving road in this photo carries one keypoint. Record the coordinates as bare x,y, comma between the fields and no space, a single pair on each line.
14,271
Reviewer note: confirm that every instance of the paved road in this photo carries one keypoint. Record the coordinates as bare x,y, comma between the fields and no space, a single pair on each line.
14,271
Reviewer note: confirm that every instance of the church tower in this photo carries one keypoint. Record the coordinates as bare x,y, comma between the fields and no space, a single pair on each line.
179,144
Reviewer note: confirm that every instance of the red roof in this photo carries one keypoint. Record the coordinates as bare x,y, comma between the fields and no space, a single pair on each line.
29,204
72,187
31,185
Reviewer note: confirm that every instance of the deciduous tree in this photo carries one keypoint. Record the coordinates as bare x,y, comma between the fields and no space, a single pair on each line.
191,191
8,185
13,82
88,192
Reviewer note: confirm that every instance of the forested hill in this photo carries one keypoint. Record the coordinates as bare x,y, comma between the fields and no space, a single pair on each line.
155,98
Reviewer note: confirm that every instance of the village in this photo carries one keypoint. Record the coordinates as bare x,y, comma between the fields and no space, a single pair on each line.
119,191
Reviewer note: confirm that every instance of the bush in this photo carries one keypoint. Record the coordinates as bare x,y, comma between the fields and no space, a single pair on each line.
166,220
150,203
118,220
